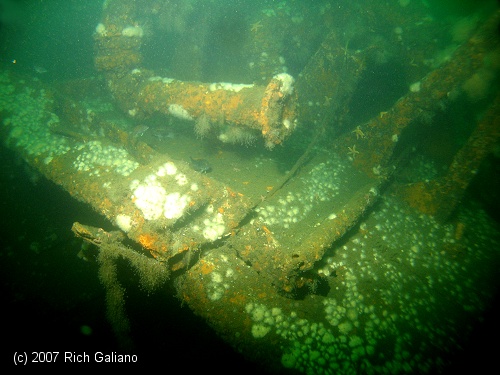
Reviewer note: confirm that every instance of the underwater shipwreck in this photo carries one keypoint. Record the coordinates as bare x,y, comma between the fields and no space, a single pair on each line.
317,222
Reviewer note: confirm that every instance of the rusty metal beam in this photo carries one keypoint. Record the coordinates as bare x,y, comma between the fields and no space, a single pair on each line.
158,201
441,196
171,210
328,81
373,143
226,108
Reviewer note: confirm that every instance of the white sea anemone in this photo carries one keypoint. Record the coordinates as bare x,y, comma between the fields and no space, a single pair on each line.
178,111
202,126
286,83
133,31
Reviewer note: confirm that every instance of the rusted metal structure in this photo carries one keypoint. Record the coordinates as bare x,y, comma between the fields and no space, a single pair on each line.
441,196
271,243
225,107
373,143
377,139
171,210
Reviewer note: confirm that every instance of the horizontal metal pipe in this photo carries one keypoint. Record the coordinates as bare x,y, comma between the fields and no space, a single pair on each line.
234,112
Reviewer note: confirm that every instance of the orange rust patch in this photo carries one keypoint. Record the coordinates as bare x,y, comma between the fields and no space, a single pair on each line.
238,299
231,192
178,266
247,251
147,241
206,267
266,230
105,206
419,196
